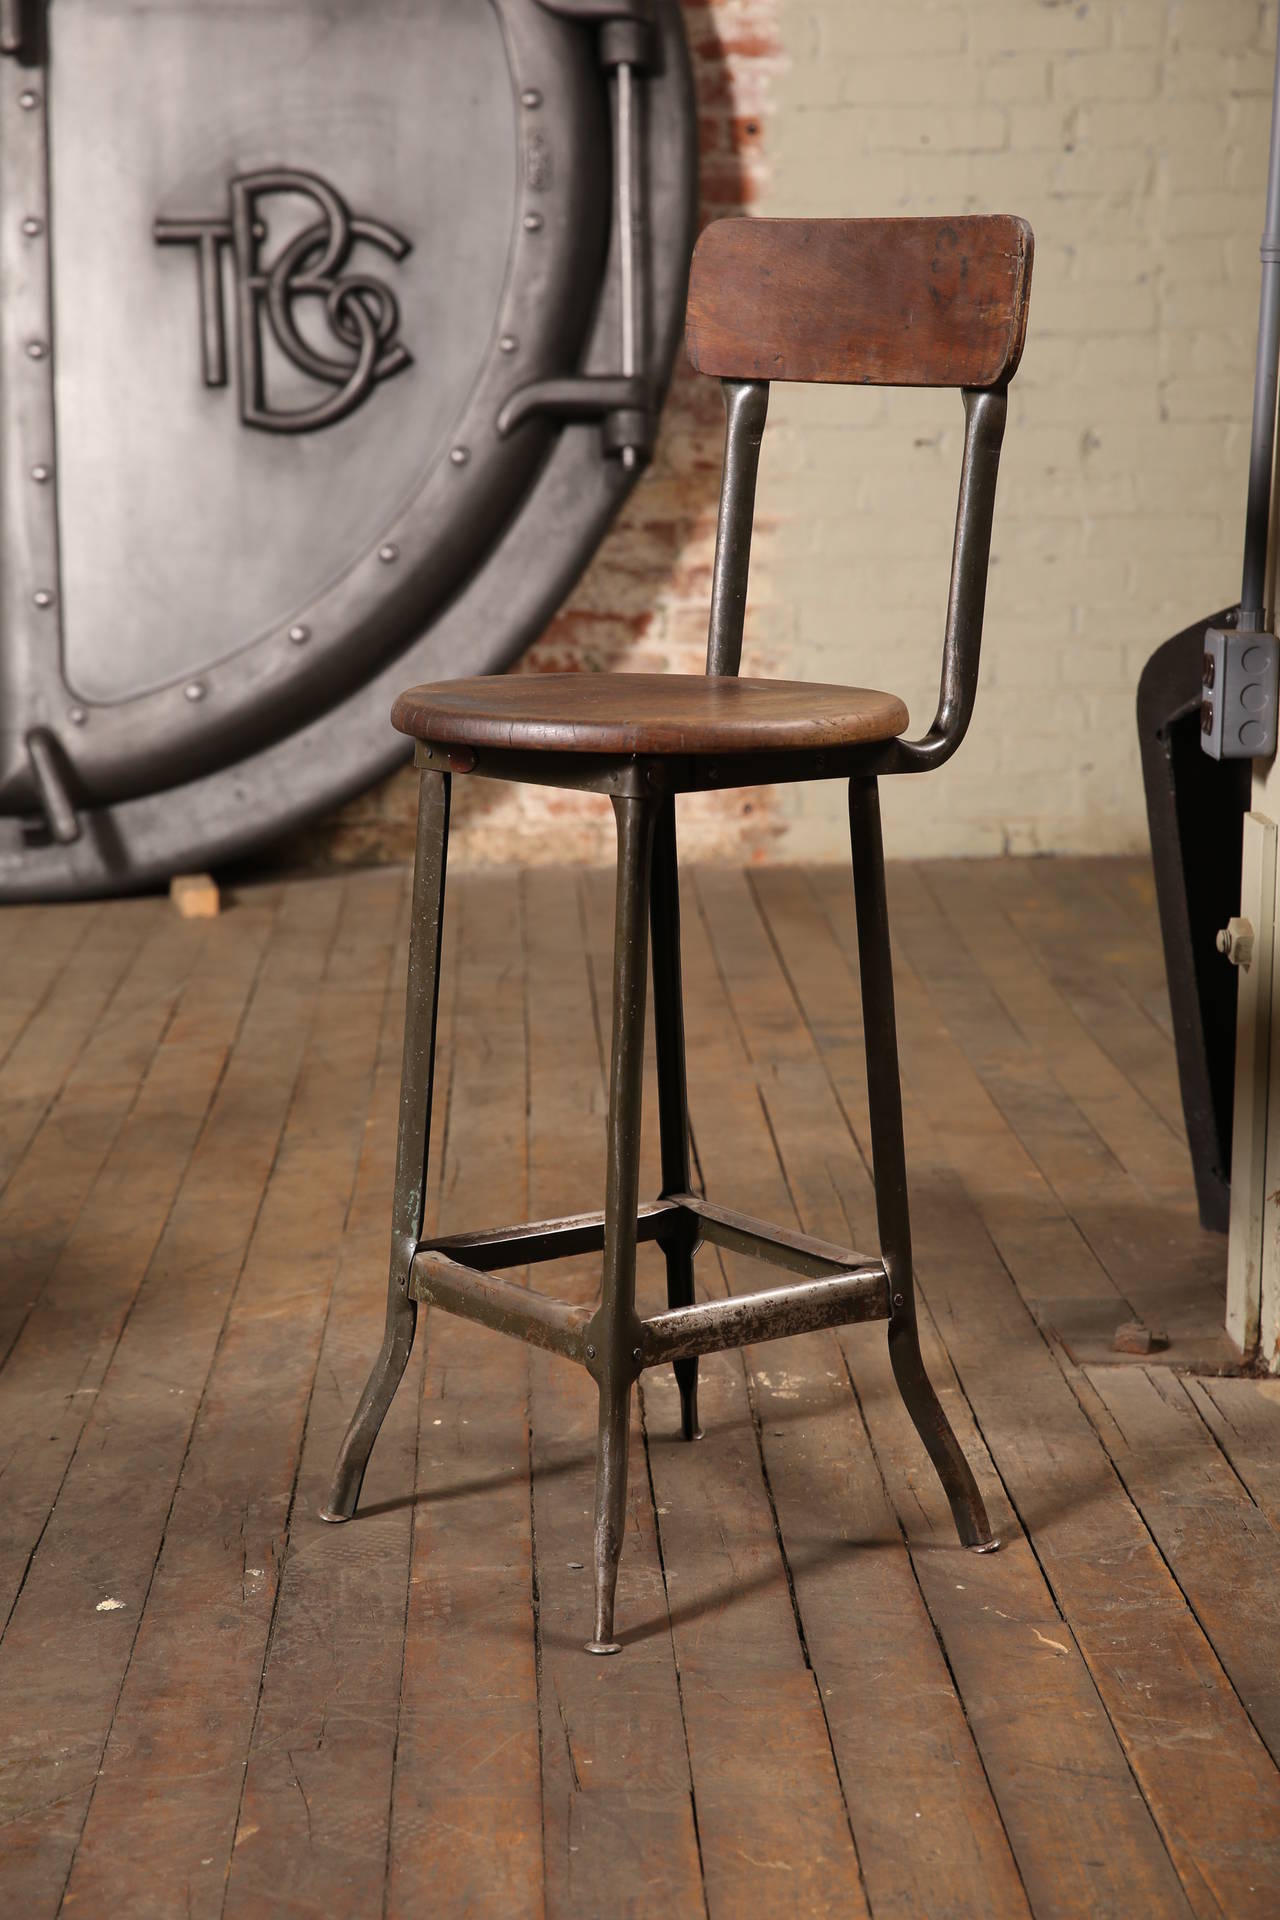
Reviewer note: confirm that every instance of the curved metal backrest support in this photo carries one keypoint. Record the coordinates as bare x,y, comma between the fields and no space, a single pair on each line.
746,403
746,406
1004,247
985,413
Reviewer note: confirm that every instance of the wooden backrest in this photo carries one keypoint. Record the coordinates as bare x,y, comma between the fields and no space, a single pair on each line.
890,303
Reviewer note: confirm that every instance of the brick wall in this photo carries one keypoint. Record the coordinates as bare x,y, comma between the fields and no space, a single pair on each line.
1132,133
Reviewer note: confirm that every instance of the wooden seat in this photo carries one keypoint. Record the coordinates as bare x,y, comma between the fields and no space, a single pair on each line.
659,713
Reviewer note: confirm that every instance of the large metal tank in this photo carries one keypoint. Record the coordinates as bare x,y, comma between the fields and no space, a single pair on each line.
332,339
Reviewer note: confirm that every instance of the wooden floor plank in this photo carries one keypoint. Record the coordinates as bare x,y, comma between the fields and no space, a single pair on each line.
865,1629
823,1705
68,1337
1148,1656
68,1149
1082,1837
1106,972
1042,998
618,1812
1124,1175
102,1538
1244,1418
35,945
162,1796
64,1019
328,1708
1218,1545
751,1704
467,1818
1162,1268
1120,930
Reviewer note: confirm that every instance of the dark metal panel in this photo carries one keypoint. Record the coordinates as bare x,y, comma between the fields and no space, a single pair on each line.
487,621
187,531
1195,807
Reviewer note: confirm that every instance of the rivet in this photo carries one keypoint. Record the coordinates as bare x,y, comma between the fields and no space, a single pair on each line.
897,1300
533,223
635,1353
459,455
42,597
40,473
591,1353
28,98
299,635
31,226
195,690
531,98
77,716
508,343
388,553
36,349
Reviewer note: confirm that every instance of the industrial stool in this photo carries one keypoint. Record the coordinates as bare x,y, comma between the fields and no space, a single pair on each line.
882,302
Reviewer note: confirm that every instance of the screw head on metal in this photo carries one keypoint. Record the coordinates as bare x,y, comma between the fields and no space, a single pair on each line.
1235,940
36,349
388,553
299,635
77,716
28,98
40,473
459,455
42,597
635,1353
533,223
508,343
898,1300
531,98
195,690
591,1353
32,227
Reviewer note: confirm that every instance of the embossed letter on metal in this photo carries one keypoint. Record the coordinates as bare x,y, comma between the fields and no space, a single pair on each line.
361,311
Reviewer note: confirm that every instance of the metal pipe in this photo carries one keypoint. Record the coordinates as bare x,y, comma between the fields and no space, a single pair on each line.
1262,441
985,410
59,808
499,1304
535,1240
795,1252
713,1325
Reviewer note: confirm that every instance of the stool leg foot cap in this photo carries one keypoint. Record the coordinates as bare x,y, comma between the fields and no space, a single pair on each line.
603,1646
986,1546
334,1519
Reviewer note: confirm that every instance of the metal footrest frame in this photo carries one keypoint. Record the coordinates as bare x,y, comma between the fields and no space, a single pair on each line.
460,1274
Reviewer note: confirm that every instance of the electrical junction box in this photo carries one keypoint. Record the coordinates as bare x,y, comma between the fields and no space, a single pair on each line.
1238,704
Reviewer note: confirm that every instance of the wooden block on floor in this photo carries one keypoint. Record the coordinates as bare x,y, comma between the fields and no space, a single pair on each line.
195,895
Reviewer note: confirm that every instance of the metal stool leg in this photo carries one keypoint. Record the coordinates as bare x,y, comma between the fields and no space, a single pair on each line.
889,1160
673,1096
409,1203
613,1334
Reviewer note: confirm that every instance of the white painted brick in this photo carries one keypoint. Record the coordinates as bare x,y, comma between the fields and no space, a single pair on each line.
1020,77
1107,75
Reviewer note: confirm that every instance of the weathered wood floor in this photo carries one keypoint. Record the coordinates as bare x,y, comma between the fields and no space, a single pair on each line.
211,1703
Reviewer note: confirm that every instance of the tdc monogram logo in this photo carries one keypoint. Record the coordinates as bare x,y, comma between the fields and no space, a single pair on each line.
272,297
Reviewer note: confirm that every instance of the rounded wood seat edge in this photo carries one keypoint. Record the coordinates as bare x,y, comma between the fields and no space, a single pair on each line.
639,713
